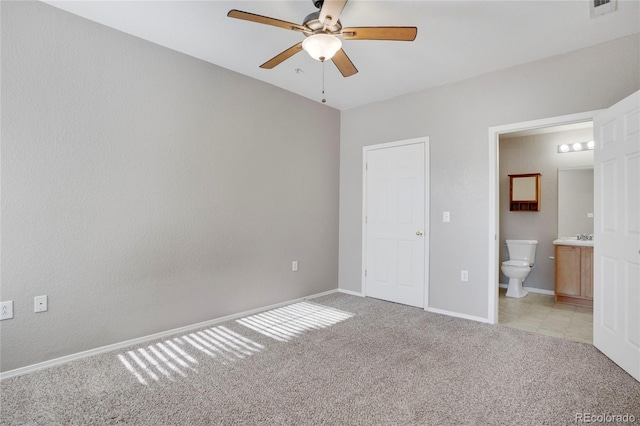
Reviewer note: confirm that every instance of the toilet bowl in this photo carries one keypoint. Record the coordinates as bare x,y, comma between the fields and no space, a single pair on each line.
522,254
516,271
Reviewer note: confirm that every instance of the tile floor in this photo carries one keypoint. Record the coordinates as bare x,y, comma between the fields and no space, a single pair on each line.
539,313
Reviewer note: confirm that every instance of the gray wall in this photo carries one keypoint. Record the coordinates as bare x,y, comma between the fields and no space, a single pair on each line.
456,117
537,154
144,190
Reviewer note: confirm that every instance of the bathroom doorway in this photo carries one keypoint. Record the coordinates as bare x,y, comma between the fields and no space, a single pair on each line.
538,151
525,137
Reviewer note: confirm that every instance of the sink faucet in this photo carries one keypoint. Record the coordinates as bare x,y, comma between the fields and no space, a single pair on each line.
584,237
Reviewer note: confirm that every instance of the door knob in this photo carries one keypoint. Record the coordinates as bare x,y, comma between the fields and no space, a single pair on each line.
419,233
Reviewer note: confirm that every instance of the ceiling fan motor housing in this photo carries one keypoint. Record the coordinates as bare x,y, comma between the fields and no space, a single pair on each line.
312,22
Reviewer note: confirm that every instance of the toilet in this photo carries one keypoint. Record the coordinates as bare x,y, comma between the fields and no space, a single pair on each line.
522,255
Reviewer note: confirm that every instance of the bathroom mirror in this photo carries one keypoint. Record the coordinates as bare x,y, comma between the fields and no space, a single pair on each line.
575,201
524,192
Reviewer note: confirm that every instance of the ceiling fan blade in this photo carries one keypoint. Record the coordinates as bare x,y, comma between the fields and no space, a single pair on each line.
246,16
331,10
380,33
344,64
281,57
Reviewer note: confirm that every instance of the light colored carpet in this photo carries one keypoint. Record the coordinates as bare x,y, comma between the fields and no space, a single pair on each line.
339,360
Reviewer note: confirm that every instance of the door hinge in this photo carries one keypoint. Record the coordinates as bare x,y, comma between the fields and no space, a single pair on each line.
365,219
366,166
365,272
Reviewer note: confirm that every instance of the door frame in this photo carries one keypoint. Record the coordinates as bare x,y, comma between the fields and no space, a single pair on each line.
427,170
494,192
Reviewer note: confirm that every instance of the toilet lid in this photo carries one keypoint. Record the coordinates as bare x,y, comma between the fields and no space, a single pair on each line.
519,263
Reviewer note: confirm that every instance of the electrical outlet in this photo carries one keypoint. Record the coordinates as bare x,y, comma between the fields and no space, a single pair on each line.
294,265
464,275
40,303
6,310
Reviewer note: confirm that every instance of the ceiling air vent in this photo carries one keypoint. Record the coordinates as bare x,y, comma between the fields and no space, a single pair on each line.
601,7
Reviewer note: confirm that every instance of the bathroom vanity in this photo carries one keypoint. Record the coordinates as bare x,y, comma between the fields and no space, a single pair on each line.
574,271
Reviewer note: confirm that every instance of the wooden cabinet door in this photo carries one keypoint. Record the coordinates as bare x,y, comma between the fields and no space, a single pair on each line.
568,270
586,271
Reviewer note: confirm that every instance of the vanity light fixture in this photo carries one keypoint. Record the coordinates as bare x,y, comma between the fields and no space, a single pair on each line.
576,147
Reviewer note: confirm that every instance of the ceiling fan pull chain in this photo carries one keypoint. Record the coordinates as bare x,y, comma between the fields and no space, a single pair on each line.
323,99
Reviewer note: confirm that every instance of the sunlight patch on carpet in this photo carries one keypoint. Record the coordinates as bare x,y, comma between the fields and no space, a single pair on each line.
285,323
178,356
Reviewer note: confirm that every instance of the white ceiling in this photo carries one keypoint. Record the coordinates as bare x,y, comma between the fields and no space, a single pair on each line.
456,39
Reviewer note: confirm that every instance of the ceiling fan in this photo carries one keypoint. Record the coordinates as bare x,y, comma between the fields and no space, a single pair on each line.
322,30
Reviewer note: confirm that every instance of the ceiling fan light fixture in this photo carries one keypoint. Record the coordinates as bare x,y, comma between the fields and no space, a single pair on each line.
322,47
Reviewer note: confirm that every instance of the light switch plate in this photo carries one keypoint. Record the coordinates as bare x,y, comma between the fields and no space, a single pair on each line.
6,310
446,217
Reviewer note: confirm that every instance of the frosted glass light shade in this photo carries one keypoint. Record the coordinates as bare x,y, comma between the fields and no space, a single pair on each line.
321,46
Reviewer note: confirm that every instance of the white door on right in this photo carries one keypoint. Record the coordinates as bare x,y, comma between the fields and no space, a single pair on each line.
616,310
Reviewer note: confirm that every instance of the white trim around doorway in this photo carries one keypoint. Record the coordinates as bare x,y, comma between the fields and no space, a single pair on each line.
494,226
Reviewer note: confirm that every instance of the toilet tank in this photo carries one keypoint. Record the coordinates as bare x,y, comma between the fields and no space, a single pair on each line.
522,250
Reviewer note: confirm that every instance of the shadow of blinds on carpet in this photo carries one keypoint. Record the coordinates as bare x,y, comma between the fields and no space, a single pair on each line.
283,324
171,357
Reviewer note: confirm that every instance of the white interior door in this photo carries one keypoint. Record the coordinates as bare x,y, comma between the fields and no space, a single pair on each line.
395,231
616,310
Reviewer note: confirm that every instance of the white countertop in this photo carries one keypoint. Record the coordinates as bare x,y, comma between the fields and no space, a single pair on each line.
573,241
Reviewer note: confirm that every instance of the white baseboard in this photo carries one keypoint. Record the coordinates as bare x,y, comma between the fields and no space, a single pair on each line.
533,290
68,358
314,296
457,315
434,310
351,293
